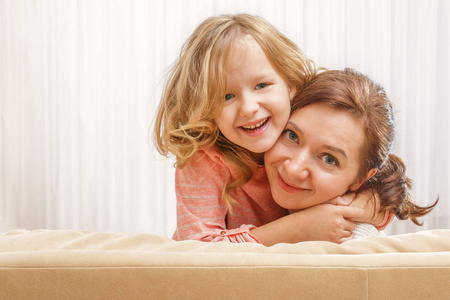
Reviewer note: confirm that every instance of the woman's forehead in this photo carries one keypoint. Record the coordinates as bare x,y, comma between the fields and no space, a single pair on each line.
329,126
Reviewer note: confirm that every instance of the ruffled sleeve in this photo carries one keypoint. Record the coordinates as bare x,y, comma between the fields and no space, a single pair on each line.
237,235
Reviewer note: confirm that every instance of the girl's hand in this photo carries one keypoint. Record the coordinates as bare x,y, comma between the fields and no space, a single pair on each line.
323,222
368,201
345,200
329,222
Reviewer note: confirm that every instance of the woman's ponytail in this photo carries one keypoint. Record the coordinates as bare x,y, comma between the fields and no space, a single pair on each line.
393,188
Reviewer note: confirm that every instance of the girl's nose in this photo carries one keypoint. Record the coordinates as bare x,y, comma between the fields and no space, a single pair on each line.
249,106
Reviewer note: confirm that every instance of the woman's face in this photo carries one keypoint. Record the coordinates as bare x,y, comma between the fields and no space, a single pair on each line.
316,158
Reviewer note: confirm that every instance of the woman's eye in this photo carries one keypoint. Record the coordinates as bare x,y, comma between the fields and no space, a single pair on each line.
330,160
228,97
292,136
261,86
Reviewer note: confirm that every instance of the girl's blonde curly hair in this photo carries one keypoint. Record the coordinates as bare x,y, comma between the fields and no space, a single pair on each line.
194,92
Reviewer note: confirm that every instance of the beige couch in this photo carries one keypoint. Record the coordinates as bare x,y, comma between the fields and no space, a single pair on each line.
87,265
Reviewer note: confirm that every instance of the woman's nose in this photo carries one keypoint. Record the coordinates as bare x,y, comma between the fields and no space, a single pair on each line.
298,166
249,105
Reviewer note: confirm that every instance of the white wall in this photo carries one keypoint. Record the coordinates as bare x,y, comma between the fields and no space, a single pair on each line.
80,81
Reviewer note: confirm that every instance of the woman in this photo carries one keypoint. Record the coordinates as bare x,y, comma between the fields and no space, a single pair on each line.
338,140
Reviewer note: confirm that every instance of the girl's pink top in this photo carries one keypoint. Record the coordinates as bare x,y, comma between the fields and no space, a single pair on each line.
201,211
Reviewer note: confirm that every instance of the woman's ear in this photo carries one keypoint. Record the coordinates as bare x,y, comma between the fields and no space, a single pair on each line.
358,184
371,173
388,217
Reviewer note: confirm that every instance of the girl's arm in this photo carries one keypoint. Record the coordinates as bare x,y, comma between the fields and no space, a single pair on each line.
323,222
331,221
201,212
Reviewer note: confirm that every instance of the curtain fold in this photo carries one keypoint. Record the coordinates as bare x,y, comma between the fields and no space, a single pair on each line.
80,82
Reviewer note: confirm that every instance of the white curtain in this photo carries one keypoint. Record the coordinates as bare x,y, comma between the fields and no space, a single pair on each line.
80,82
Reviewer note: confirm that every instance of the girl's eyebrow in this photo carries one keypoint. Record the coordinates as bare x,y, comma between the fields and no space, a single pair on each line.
332,148
263,75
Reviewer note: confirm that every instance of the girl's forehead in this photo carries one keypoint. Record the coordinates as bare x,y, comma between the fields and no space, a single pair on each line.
241,43
243,47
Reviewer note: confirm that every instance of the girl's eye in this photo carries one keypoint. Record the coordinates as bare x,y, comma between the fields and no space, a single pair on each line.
261,86
228,97
290,135
330,160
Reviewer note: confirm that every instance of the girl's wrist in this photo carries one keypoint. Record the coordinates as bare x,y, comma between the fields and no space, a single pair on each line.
283,230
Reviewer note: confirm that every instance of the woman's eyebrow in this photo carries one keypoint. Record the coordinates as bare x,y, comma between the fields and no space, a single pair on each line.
338,150
332,148
295,127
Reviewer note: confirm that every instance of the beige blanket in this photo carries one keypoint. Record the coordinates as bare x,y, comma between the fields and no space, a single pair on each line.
50,264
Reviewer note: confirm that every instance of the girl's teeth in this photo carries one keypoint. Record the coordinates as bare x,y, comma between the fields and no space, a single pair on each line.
255,126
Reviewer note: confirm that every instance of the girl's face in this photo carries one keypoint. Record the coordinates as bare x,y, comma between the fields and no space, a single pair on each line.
316,158
257,99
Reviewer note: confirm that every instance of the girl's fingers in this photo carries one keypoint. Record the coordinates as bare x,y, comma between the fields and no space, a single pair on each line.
349,212
349,226
338,201
348,238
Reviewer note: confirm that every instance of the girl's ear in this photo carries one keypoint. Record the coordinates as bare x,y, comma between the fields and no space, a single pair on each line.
357,184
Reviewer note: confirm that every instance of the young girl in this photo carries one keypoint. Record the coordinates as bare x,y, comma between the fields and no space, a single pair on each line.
225,103
338,139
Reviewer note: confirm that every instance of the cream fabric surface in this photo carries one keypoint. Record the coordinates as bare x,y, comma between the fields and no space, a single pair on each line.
66,240
95,265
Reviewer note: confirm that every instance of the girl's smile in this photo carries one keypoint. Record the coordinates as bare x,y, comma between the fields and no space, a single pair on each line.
257,127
